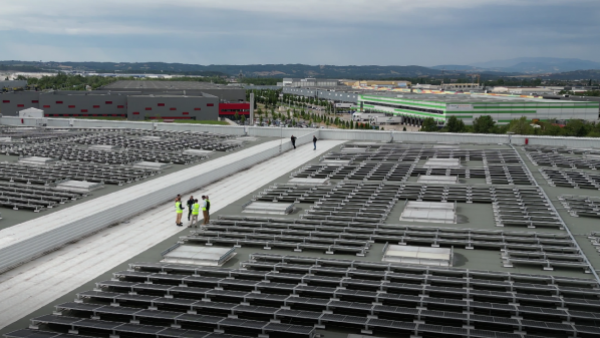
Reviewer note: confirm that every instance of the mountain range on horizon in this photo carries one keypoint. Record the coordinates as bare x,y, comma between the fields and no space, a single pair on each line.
544,67
526,65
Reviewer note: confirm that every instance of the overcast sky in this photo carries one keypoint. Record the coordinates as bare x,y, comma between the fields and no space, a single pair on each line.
335,32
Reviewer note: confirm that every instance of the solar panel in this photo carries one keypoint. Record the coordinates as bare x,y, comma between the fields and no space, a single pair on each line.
35,334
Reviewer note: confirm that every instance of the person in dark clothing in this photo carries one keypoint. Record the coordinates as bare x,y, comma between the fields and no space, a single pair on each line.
294,141
189,203
315,142
208,207
204,211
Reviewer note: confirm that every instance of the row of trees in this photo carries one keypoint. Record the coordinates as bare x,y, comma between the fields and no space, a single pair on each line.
67,82
272,98
522,126
298,112
299,100
260,81
268,97
78,82
293,117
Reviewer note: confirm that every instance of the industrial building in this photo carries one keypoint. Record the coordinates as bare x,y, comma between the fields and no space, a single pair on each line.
12,102
527,90
308,82
461,87
377,84
12,84
416,107
373,234
76,103
222,92
198,107
324,94
129,99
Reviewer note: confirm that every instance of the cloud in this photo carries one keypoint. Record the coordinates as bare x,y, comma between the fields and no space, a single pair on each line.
138,16
425,32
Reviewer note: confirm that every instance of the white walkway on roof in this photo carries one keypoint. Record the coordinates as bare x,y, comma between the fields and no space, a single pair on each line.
35,284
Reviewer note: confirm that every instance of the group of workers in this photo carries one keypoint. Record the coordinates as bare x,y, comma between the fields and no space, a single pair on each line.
194,208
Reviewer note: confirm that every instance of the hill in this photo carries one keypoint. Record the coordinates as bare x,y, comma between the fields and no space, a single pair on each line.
538,65
264,70
545,67
593,74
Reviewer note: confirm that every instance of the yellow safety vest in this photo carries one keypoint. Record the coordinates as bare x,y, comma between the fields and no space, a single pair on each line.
196,209
204,206
178,208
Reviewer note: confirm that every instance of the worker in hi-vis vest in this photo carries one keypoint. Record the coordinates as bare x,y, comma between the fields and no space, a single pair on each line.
195,212
179,210
204,211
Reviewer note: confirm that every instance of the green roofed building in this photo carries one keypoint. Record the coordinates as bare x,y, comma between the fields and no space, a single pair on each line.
416,107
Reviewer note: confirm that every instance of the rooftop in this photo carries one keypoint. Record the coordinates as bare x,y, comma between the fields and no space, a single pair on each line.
174,95
162,85
78,154
517,246
464,98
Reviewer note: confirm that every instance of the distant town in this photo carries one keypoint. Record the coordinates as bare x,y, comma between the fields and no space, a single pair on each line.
451,101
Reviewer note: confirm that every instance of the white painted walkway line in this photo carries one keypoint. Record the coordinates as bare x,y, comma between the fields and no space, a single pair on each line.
38,283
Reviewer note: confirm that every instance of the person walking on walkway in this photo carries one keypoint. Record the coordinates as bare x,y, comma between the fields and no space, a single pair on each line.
207,209
204,211
315,142
189,203
294,141
179,211
195,212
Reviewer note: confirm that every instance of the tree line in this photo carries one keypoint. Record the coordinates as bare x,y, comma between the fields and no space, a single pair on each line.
68,82
78,82
522,126
260,81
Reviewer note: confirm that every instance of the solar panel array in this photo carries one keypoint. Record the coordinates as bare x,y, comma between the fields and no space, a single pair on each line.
59,171
292,296
26,187
571,179
161,140
31,187
546,250
32,135
33,197
586,206
295,296
561,150
372,202
129,145
594,238
562,158
400,162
